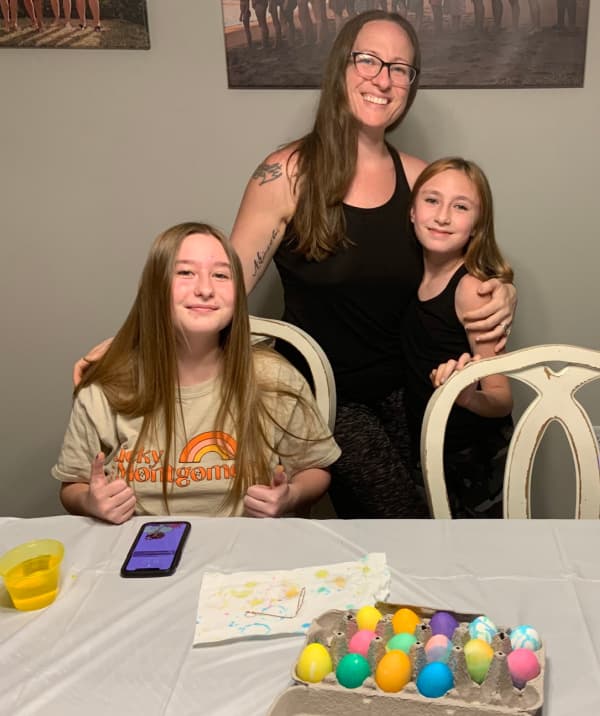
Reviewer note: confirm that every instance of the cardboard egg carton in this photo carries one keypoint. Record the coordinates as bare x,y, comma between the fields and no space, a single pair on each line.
495,696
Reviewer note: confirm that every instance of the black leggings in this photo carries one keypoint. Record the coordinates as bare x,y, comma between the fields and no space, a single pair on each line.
372,477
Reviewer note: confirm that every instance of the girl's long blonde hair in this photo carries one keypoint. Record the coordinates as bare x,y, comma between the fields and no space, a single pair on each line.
139,376
482,257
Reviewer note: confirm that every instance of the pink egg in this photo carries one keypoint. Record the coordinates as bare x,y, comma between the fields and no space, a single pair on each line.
360,642
523,666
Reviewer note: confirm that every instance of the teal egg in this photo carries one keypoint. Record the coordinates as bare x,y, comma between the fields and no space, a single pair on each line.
435,680
352,670
483,628
525,637
401,642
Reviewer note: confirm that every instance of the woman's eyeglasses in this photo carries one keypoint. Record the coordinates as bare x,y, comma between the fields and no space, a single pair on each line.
369,66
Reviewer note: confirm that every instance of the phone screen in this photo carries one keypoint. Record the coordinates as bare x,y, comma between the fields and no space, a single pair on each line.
156,550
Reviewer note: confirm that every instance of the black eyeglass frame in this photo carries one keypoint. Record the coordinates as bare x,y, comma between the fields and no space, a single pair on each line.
355,53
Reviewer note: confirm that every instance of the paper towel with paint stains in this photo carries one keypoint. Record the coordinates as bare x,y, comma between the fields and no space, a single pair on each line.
251,604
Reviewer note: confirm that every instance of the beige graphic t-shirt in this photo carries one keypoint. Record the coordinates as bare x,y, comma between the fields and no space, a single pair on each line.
200,469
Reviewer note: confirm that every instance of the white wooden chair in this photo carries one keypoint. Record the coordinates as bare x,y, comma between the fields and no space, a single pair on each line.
322,376
314,355
555,401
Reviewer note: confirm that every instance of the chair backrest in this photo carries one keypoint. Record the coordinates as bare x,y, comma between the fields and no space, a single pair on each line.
314,355
555,401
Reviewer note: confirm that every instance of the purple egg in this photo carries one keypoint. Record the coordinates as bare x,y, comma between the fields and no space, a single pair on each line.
443,623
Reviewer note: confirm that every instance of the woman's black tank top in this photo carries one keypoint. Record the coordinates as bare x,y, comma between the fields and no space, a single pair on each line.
353,302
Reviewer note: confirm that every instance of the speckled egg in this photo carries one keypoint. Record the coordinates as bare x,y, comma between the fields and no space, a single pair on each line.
478,655
435,680
523,666
483,628
443,623
438,648
368,617
405,621
401,642
525,637
352,670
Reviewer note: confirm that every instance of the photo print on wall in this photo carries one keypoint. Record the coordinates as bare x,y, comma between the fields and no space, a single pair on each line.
464,43
75,24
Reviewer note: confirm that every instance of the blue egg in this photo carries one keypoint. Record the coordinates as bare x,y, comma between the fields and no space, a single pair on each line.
525,637
483,628
435,680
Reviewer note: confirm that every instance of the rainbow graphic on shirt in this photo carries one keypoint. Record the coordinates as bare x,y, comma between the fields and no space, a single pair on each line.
206,457
221,443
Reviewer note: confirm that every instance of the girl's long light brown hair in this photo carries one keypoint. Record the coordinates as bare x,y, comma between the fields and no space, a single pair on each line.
139,377
482,256
326,156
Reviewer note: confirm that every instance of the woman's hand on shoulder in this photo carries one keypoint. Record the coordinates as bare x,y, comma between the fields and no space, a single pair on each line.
267,206
493,319
90,357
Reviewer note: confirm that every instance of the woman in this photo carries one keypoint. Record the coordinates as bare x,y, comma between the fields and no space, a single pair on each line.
191,417
331,210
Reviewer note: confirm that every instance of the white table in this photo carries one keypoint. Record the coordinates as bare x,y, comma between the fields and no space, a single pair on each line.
112,646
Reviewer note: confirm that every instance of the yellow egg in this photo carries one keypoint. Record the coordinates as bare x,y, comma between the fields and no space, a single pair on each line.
368,617
314,663
405,621
393,671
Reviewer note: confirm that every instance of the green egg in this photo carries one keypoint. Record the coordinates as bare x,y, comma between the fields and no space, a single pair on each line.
352,670
401,642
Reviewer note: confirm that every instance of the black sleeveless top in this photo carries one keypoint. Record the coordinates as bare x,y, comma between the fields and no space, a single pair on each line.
353,302
432,335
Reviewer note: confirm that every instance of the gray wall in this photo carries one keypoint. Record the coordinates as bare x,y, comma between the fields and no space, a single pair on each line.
100,151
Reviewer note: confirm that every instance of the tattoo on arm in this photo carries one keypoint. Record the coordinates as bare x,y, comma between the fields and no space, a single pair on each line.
267,172
261,256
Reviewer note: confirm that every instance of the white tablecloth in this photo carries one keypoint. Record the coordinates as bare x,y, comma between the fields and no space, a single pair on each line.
112,646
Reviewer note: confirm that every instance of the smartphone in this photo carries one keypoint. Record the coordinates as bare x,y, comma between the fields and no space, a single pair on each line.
156,550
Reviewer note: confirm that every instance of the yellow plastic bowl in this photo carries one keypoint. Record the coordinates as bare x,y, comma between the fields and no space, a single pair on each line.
31,572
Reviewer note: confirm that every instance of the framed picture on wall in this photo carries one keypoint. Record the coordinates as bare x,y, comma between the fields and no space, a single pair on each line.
75,24
464,43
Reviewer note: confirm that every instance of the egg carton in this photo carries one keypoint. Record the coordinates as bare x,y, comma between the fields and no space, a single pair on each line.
496,695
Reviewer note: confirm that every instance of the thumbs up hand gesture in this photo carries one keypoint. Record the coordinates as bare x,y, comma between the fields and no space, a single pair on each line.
110,500
270,501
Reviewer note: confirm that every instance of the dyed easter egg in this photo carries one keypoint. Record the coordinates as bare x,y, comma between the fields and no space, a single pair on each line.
435,680
523,666
405,621
401,642
525,637
352,670
314,663
438,648
443,623
478,655
368,617
482,628
360,642
393,671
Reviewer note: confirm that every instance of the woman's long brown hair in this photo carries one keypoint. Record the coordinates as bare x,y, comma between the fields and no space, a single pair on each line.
139,377
326,156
